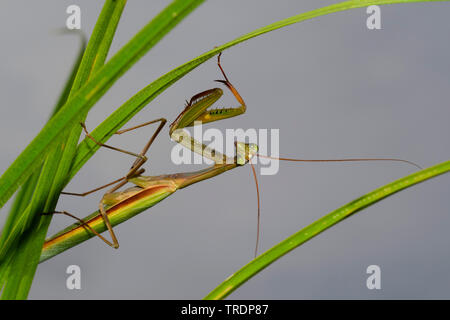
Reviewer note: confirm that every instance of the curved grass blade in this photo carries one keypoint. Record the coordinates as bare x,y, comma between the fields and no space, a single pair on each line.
72,112
123,114
245,273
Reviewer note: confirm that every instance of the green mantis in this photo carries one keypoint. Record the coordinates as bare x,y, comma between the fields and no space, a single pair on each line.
118,206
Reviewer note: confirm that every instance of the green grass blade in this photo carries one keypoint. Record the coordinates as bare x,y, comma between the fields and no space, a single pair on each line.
80,73
95,54
21,258
169,18
26,254
245,273
73,111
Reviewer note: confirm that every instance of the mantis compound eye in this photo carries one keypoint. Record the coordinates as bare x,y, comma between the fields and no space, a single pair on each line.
245,152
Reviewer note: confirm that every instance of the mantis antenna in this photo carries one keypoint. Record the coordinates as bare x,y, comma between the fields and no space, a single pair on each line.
309,160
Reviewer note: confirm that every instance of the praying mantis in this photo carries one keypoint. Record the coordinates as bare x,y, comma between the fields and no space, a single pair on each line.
116,206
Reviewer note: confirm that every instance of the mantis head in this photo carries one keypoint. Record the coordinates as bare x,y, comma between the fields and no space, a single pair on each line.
245,152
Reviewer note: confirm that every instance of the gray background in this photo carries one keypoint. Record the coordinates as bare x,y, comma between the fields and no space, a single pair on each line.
332,87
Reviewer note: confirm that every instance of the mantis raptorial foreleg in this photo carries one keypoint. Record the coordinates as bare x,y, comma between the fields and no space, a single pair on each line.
195,111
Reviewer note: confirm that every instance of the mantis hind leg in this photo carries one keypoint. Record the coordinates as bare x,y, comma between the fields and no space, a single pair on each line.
83,194
141,157
133,172
102,210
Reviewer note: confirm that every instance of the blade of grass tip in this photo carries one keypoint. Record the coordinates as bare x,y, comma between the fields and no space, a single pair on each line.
91,92
23,196
123,114
292,242
58,162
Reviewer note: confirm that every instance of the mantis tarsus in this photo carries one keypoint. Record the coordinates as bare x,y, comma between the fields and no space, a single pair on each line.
118,206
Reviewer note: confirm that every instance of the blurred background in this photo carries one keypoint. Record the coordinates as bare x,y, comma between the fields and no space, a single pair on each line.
332,87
